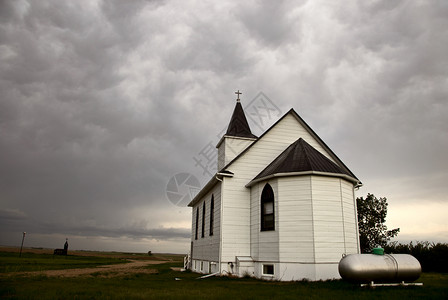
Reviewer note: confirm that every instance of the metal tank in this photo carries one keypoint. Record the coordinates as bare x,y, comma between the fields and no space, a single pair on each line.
379,268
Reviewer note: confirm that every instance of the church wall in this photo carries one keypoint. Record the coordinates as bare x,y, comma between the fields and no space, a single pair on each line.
230,148
221,156
350,221
329,225
207,248
264,244
255,194
295,218
236,220
315,224
299,271
288,131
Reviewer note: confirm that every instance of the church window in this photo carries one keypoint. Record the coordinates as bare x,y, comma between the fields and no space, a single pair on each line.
267,209
196,226
203,220
212,212
268,269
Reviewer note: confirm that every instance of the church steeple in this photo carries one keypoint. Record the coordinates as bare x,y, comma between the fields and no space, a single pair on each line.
237,137
238,125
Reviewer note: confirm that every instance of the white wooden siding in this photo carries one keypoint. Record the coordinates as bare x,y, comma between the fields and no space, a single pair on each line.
230,148
316,219
236,220
255,195
265,244
207,248
295,220
334,226
350,222
221,156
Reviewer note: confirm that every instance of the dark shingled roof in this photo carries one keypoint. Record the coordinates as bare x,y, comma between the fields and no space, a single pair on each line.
238,125
301,157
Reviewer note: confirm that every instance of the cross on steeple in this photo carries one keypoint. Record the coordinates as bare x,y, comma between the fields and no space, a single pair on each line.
238,94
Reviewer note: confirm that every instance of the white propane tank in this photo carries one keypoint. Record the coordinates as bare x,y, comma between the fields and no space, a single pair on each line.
379,268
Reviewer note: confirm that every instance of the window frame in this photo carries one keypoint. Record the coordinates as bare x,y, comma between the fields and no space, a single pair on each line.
265,273
196,225
212,215
203,220
267,197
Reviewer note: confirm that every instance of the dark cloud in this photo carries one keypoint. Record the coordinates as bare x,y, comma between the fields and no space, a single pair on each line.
12,214
104,101
272,25
137,230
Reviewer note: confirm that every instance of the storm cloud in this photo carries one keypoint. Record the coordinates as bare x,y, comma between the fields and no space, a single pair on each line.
102,102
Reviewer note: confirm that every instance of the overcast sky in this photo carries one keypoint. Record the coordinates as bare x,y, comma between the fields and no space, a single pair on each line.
103,102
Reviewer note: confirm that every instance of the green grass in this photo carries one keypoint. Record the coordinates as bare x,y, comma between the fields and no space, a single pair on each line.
11,262
163,285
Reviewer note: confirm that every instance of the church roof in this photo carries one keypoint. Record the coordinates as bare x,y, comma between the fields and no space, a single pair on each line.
238,125
224,172
311,131
301,157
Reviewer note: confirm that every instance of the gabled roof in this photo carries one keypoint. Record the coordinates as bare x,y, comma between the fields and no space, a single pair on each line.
312,133
238,125
300,157
224,172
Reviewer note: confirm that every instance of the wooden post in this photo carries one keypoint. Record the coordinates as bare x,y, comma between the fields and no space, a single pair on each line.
21,247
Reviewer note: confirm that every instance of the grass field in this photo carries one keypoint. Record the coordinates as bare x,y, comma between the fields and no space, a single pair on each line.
165,283
11,262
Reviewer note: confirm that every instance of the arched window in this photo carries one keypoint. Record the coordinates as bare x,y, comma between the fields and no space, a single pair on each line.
203,220
212,212
196,225
267,209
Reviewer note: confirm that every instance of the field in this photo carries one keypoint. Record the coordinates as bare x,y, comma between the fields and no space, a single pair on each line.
98,275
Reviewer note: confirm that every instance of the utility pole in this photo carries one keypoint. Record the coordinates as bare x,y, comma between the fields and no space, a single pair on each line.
23,238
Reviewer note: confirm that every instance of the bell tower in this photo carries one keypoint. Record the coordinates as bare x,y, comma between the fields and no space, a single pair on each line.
237,138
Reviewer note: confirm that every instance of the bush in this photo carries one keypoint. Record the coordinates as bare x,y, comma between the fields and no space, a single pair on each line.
433,257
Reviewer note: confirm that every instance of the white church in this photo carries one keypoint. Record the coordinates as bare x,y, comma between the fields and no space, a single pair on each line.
281,206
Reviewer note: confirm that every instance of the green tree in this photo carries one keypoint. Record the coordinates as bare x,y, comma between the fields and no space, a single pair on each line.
371,218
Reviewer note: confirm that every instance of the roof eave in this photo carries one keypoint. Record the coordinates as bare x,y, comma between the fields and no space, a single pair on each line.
234,137
210,184
355,181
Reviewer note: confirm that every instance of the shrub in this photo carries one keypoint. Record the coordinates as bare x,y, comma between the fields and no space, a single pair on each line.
433,257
